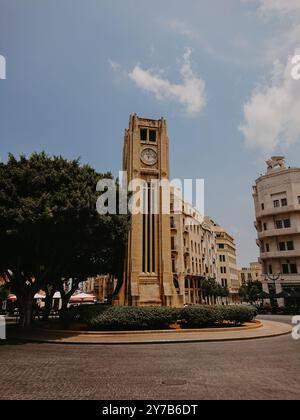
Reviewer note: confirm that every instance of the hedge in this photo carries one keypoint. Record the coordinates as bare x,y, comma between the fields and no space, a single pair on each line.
204,316
138,318
134,318
82,313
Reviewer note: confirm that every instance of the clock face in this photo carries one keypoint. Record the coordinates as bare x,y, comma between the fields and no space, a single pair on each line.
149,156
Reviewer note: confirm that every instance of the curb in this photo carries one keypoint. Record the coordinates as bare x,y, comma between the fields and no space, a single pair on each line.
256,325
285,330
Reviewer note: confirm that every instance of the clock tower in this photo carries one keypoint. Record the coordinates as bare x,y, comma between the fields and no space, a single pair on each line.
148,279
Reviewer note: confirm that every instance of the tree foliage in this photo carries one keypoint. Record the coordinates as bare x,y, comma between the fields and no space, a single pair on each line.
251,292
50,227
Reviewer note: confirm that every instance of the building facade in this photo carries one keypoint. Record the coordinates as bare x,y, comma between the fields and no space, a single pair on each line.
171,247
227,270
148,279
193,248
251,273
277,207
101,286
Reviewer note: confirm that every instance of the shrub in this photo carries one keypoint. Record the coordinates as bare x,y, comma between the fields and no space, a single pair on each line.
238,314
200,316
83,313
118,318
134,318
204,316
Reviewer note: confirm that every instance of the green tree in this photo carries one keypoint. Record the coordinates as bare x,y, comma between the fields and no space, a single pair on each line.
50,226
3,293
251,292
212,289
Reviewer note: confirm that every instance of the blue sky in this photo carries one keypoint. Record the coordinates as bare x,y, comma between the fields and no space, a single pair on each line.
76,69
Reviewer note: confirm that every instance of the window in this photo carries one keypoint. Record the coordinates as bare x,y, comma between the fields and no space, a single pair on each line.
289,268
276,203
173,266
144,133
265,226
222,258
221,246
224,282
285,268
267,247
287,223
152,136
270,269
299,199
279,224
281,246
262,206
284,202
294,269
290,246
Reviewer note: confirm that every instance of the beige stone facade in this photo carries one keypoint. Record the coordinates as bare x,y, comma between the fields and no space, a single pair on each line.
101,286
251,273
277,207
227,269
169,253
148,279
193,248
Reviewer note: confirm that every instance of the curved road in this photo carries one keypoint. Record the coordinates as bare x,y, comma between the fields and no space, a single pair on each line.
259,369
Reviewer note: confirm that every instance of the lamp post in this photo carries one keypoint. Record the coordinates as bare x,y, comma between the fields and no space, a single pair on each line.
273,278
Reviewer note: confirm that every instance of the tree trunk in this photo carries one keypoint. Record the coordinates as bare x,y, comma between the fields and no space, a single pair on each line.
48,304
26,310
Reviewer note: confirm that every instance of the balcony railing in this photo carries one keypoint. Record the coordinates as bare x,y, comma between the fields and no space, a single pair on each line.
280,254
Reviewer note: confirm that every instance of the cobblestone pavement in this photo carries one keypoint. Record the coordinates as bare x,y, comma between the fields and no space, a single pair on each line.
262,369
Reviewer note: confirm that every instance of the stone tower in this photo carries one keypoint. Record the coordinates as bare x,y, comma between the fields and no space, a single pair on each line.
148,279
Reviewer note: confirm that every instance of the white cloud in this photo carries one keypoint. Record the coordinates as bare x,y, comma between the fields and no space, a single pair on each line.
190,93
271,115
114,65
279,6
182,28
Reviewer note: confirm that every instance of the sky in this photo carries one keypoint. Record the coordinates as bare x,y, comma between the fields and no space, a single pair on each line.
218,71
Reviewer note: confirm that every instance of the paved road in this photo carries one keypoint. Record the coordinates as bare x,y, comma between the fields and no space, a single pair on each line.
261,369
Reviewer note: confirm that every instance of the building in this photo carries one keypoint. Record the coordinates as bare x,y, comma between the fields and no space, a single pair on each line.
193,252
148,278
101,286
227,270
277,207
251,273
171,246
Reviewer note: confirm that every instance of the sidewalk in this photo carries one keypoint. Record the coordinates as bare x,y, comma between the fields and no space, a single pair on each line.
266,330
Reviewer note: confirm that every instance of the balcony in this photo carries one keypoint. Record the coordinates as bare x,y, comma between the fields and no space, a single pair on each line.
279,254
279,232
277,210
293,279
174,248
186,229
186,250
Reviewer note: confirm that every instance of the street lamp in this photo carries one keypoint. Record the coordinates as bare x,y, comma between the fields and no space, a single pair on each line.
273,278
